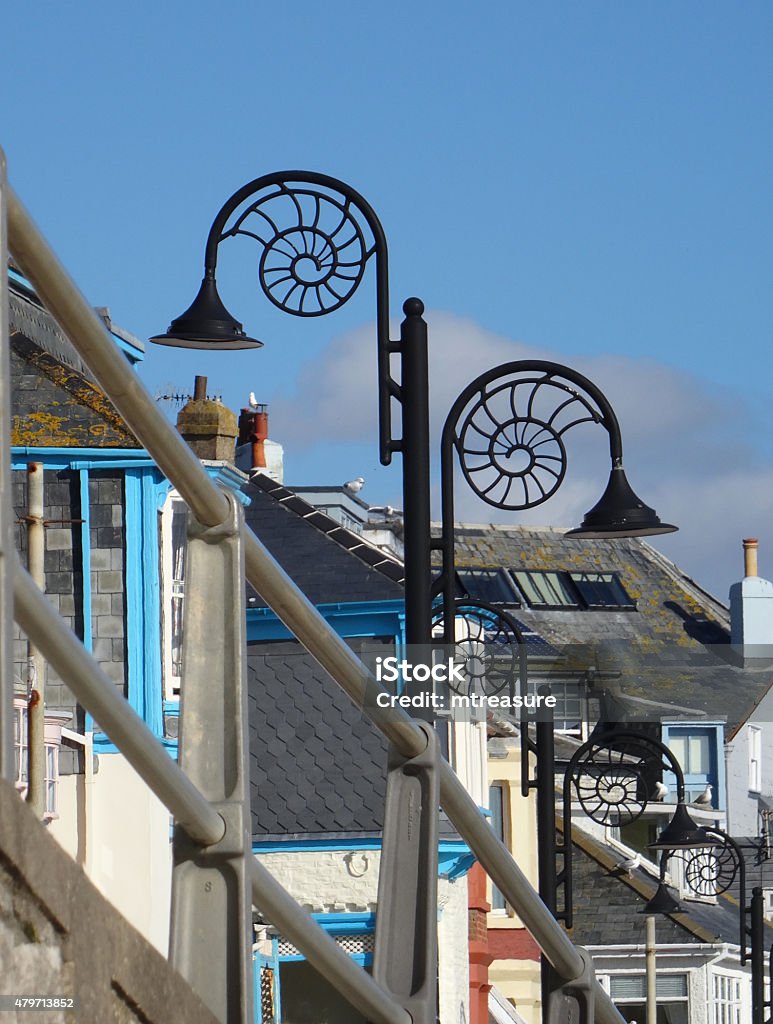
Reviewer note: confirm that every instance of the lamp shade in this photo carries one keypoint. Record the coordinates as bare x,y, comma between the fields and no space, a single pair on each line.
662,902
621,513
206,324
682,833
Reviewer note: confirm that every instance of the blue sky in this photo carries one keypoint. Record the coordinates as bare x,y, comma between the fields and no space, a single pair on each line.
587,182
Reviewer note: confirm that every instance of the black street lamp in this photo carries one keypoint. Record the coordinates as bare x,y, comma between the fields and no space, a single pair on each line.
507,430
613,776
713,872
316,235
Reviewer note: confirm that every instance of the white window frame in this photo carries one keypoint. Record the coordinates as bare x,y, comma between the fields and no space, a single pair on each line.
504,788
727,998
52,739
172,590
662,1000
755,758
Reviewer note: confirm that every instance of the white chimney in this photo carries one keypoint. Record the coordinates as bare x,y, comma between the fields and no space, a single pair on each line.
751,608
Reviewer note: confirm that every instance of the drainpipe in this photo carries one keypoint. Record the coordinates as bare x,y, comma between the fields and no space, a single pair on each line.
36,711
649,959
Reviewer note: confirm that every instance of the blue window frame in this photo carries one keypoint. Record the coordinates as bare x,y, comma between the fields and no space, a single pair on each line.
699,750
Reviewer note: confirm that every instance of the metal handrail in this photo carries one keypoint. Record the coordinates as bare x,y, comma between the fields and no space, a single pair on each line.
85,331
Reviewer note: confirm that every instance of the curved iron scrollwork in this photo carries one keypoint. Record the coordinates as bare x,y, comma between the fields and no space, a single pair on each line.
314,246
709,872
614,779
508,430
491,652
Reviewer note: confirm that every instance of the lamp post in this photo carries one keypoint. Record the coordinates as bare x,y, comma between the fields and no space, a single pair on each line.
316,236
507,429
711,873
613,778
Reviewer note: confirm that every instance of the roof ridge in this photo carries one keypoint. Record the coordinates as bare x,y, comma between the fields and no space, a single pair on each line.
350,541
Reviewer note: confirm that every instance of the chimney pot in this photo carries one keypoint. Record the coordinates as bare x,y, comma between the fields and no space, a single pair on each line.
750,546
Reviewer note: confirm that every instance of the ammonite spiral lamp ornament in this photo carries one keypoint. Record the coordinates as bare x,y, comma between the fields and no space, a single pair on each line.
315,235
612,776
491,648
508,430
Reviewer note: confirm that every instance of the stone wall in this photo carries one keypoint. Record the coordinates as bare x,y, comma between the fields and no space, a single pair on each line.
59,937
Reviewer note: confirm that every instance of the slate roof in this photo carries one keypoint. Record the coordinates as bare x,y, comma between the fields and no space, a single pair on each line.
328,562
607,903
672,650
318,765
56,400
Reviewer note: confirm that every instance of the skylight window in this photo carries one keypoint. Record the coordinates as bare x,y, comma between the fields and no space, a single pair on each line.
547,589
601,590
490,585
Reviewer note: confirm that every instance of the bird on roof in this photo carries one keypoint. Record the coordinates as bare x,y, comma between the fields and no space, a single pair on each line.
661,792
704,800
252,401
355,485
629,865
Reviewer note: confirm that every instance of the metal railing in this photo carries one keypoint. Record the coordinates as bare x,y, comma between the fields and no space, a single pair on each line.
209,507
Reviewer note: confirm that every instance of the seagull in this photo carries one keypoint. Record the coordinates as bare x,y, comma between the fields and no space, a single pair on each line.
630,864
661,792
252,401
704,800
355,485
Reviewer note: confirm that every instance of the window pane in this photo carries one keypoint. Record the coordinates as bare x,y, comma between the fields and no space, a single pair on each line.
634,986
601,590
698,756
490,585
551,589
628,986
497,807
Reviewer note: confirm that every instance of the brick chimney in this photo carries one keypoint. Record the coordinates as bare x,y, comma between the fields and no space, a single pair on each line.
253,430
208,427
255,452
751,608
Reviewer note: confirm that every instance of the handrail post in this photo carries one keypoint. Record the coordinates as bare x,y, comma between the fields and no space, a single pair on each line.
6,505
211,935
405,957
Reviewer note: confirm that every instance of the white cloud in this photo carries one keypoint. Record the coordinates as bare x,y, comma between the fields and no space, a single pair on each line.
687,447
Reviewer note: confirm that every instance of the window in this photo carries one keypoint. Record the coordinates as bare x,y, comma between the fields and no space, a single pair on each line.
755,758
570,712
52,741
726,1003
497,807
593,590
698,749
547,589
174,526
601,590
629,994
490,585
